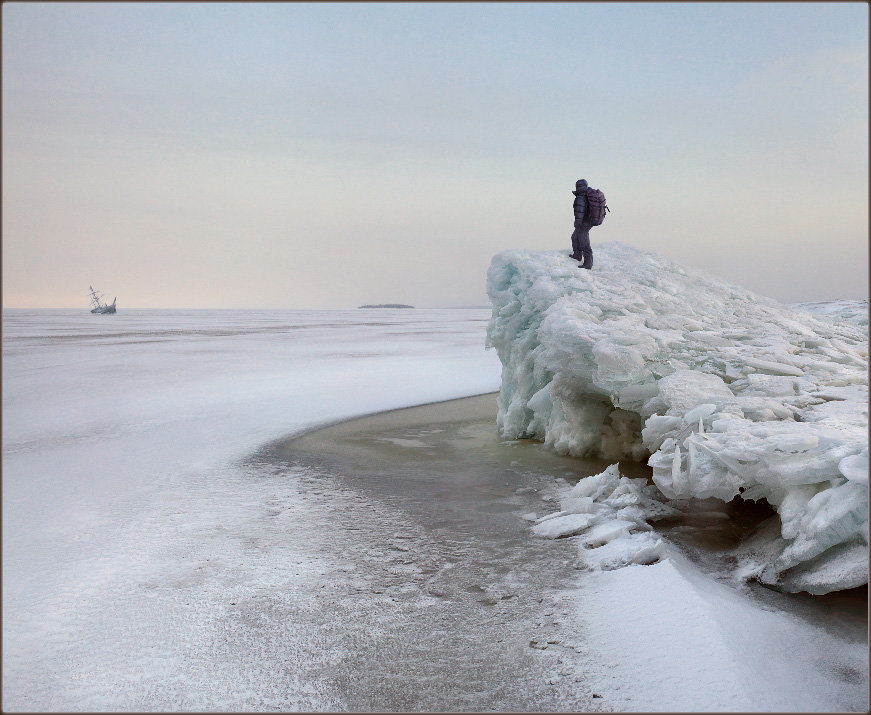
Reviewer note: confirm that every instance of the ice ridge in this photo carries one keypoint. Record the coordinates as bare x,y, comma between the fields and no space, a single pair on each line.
722,391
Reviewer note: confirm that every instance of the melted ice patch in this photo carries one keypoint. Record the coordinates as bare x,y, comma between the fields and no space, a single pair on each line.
403,442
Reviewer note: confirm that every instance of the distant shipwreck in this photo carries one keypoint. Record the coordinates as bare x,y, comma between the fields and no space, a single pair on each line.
99,306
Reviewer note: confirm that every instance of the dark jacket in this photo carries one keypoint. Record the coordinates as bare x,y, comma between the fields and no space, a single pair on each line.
580,204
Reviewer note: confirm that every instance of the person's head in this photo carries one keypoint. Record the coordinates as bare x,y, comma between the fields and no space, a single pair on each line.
580,184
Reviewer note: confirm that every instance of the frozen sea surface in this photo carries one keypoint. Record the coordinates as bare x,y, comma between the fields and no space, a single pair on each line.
165,547
121,437
458,607
852,311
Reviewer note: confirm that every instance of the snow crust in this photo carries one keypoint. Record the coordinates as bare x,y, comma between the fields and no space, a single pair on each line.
130,519
724,393
690,634
149,565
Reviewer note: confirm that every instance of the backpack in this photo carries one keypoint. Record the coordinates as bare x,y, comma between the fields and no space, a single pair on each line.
596,207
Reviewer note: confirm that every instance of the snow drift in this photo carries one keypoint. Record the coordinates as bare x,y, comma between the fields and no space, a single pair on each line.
723,392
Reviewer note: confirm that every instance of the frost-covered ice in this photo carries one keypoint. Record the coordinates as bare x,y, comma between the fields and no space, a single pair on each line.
688,634
130,527
612,515
852,311
154,559
727,393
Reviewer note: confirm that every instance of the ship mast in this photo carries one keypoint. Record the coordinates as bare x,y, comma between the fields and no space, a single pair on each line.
95,296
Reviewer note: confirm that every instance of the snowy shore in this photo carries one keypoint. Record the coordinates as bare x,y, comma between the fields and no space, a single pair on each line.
130,522
724,393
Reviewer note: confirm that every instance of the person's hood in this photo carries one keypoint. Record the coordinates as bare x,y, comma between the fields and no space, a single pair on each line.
580,185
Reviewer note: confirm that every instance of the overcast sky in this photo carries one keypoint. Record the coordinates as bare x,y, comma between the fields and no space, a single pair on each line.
329,155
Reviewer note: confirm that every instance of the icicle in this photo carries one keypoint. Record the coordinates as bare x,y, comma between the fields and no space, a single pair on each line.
676,481
701,425
691,461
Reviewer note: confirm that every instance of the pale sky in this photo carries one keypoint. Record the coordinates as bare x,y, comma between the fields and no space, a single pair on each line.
329,155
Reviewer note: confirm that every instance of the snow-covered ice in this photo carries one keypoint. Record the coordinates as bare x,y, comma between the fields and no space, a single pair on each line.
852,311
689,634
123,492
155,560
726,393
612,513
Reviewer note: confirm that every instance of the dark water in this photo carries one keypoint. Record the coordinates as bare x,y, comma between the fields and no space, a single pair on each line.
461,607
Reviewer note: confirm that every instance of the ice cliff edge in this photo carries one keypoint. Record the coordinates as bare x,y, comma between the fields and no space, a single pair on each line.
724,392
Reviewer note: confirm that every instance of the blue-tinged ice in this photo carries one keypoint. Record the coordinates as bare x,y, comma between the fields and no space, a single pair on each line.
724,392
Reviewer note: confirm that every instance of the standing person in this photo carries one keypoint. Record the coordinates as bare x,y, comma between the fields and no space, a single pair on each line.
590,208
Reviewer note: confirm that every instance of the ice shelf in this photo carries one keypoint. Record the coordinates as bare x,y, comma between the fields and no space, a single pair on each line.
725,393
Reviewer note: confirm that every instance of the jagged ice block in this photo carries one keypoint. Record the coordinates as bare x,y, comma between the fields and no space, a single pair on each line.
723,392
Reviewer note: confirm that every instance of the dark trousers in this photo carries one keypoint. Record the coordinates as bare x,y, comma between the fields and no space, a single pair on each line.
581,249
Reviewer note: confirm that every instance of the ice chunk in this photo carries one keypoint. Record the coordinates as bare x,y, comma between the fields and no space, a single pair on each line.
769,384
606,532
724,392
855,467
594,487
637,394
610,513
701,412
565,525
642,548
685,390
840,564
775,368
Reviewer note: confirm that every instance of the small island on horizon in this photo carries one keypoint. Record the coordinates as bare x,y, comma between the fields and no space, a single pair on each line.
385,305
